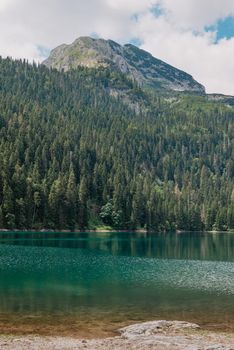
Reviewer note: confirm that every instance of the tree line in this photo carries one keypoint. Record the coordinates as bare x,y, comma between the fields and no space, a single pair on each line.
88,147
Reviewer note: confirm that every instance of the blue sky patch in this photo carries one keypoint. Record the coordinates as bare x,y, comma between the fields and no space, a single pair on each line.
224,28
94,35
157,11
135,17
135,41
44,51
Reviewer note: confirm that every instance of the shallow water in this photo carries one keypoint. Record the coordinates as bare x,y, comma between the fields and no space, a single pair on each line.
89,284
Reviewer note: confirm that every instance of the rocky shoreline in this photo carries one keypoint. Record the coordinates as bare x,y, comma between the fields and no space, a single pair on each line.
155,335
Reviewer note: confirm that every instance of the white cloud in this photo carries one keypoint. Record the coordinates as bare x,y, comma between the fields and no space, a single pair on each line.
4,4
195,14
131,6
209,63
26,25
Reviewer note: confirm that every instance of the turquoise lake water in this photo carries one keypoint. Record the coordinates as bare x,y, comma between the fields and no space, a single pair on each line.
93,283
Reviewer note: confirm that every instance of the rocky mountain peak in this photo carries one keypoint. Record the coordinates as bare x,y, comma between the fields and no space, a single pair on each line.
138,64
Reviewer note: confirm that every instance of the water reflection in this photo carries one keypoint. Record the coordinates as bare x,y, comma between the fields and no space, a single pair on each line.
187,245
115,278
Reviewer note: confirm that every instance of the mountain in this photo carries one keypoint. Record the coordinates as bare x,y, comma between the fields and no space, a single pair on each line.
137,64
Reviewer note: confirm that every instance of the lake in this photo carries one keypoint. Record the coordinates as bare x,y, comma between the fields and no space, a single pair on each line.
90,284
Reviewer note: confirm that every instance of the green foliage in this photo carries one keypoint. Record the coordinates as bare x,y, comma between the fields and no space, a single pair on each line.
73,157
109,216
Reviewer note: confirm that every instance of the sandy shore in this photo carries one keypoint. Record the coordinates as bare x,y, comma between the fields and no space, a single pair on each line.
158,335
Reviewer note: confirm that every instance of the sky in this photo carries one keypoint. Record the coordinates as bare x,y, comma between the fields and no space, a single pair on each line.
196,36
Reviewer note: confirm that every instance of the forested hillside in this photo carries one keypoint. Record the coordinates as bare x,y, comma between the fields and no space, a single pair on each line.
88,147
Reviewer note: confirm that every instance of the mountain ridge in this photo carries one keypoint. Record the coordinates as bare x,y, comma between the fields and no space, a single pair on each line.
138,64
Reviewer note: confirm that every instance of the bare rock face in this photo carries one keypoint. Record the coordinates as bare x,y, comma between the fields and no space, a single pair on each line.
137,64
156,327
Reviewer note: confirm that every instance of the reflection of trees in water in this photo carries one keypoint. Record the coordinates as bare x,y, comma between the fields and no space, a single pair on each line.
187,245
84,282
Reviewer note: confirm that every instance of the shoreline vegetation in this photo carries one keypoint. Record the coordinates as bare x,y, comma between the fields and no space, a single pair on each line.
158,335
105,230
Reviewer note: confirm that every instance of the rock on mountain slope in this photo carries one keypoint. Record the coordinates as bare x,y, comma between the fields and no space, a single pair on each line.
128,59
